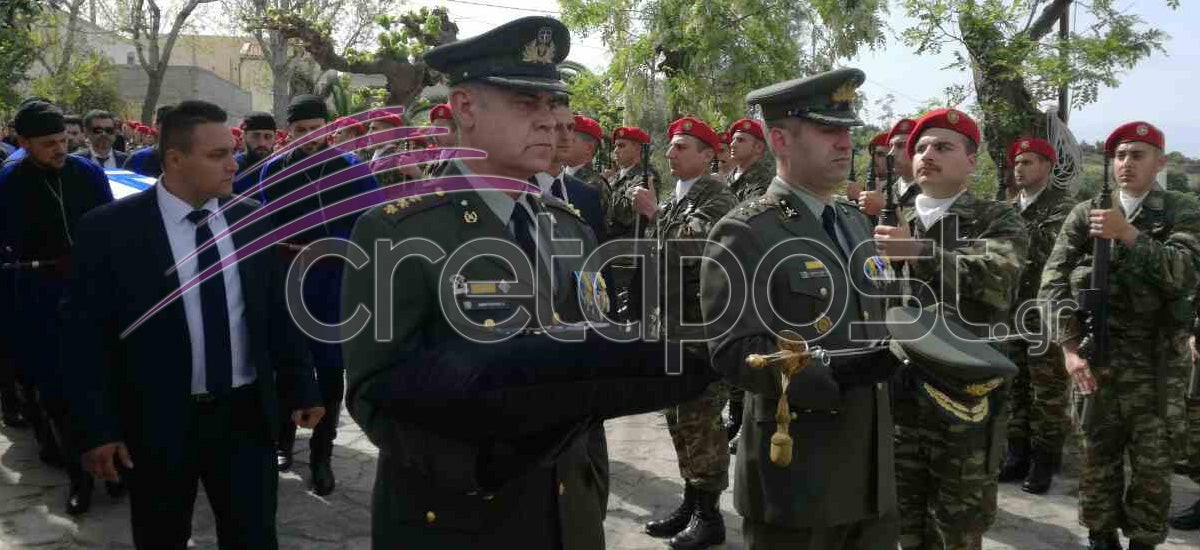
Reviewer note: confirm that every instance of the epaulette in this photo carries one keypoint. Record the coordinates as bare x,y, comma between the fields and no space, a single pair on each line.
754,207
558,204
845,201
402,208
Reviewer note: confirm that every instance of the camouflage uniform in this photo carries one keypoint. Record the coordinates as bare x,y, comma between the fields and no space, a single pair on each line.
695,426
621,217
752,183
590,176
1150,285
946,470
1039,393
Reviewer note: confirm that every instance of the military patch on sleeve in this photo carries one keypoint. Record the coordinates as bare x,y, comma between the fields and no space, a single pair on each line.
592,291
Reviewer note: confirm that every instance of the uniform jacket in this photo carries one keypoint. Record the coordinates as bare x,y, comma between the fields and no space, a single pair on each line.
145,161
590,176
621,218
754,181
119,157
1043,219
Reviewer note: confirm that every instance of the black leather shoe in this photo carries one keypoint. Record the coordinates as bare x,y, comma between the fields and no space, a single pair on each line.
1016,461
1041,473
1188,519
322,478
677,520
14,420
1103,541
706,528
79,500
115,489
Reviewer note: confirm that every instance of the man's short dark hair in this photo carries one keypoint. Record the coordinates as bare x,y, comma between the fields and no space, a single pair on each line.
72,119
96,114
161,113
179,124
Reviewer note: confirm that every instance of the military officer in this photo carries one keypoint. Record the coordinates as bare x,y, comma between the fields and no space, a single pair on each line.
322,281
258,137
1037,428
689,212
906,187
796,242
42,198
969,256
1155,256
588,136
488,437
754,168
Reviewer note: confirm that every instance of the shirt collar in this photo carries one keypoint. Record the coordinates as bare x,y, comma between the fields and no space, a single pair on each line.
175,209
814,203
1024,202
498,201
97,156
682,187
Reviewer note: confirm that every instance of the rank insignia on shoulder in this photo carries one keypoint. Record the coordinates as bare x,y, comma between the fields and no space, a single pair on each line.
470,216
788,211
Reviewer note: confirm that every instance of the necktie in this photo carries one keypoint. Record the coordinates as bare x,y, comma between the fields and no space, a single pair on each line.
829,221
218,354
558,190
523,228
102,161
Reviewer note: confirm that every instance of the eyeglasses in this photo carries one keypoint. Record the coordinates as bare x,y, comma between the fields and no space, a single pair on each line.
109,130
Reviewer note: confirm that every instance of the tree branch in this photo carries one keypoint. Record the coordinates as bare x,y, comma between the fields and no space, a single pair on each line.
1046,21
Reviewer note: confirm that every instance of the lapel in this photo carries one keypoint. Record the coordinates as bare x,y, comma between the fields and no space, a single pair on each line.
160,259
797,219
240,239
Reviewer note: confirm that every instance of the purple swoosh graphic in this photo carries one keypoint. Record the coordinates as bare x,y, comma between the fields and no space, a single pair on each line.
357,203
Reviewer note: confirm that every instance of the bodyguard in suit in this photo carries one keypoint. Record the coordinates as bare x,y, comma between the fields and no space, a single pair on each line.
563,186
492,444
42,198
800,248
191,394
100,130
323,280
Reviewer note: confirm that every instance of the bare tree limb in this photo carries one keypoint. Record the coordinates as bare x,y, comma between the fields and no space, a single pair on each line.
1046,21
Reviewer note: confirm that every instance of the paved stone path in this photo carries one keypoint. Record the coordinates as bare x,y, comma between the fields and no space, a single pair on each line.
644,483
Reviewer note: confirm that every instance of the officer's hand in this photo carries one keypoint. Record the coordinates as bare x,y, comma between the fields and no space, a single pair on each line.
102,461
308,418
644,202
1111,224
870,202
897,242
1077,367
853,190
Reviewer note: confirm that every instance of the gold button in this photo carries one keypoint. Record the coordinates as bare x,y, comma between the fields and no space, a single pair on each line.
562,488
430,517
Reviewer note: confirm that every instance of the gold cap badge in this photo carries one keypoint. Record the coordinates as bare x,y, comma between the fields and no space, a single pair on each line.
952,116
540,49
1142,130
1024,144
844,93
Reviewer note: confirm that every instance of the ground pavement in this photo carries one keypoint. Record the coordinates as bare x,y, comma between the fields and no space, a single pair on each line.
645,482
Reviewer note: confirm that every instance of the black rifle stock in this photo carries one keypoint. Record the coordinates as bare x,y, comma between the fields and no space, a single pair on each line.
1094,311
888,215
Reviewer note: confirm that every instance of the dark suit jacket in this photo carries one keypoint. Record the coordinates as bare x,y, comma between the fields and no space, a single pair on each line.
587,199
137,389
119,157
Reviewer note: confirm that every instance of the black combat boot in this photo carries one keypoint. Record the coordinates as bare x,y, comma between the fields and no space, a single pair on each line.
1041,472
1016,461
10,407
320,450
677,520
79,499
1188,519
1103,540
287,441
1135,545
707,527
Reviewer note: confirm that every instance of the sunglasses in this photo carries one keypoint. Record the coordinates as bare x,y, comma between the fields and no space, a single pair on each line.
109,130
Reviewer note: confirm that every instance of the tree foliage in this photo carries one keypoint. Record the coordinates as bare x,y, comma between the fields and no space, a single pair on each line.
90,82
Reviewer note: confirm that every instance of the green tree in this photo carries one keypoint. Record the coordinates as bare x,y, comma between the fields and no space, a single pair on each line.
1178,181
17,50
1016,62
89,82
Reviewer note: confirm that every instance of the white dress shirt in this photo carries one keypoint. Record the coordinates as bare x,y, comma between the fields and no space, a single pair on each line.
546,182
1130,203
1024,201
930,210
109,162
682,187
182,235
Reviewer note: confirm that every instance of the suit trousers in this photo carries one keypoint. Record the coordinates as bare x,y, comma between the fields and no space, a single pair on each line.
878,533
228,448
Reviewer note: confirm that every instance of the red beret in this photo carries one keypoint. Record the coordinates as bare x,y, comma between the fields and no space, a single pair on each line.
387,117
900,128
696,128
632,133
751,127
950,119
237,132
153,131
725,137
345,122
880,140
585,125
441,111
1032,145
1134,131
141,129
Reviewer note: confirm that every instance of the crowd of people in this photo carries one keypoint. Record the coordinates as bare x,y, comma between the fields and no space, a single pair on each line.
148,349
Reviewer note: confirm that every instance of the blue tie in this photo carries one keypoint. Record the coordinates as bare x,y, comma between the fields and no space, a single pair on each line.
557,190
829,222
218,353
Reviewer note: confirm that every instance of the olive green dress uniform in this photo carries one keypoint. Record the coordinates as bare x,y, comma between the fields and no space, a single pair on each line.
1151,284
946,467
1039,393
695,426
753,182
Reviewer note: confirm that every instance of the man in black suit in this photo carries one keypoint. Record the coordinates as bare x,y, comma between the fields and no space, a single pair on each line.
565,187
192,392
100,130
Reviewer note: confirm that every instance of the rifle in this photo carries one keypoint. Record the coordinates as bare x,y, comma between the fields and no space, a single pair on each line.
888,214
1094,311
853,168
871,175
1002,189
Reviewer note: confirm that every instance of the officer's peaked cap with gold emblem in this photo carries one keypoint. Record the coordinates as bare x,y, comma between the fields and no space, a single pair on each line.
826,98
523,54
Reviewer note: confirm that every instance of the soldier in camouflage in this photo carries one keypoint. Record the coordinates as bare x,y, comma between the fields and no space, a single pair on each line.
754,167
689,212
1037,428
1155,256
588,136
970,258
